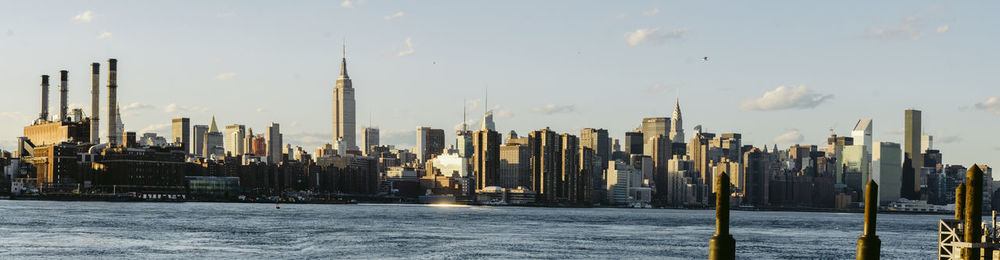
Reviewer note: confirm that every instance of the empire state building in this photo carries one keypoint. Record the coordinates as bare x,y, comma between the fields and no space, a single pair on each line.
343,109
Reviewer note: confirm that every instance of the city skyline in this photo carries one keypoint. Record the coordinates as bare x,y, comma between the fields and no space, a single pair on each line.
402,72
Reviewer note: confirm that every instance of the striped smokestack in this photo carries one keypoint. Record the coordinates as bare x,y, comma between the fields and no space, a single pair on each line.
45,99
95,103
63,89
113,102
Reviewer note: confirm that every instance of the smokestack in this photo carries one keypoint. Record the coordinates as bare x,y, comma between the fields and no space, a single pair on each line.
63,88
113,102
45,99
95,103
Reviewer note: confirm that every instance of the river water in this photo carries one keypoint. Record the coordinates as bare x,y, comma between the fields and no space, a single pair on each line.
33,229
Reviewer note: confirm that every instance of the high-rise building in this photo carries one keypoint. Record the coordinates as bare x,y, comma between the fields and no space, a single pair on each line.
235,140
681,188
598,141
633,143
515,166
259,146
486,158
544,145
273,136
569,164
343,107
926,143
430,142
619,179
698,150
198,140
757,177
735,171
676,126
886,171
856,168
912,152
181,133
659,149
369,138
214,141
589,169
834,149
653,126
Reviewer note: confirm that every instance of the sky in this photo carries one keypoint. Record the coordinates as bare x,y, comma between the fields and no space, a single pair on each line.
779,72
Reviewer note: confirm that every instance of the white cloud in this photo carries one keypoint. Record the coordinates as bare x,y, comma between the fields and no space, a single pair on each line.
84,17
347,4
948,139
658,89
132,109
408,50
473,104
104,35
791,137
908,29
554,109
942,29
260,109
897,131
991,105
155,128
395,15
225,76
502,113
171,108
653,12
784,97
653,36
471,124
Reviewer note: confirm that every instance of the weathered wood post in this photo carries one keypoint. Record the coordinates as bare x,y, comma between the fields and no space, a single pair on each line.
722,245
973,210
960,202
869,245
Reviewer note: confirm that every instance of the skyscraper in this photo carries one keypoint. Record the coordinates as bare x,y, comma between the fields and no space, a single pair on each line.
181,132
544,145
369,138
633,143
214,140
515,166
912,152
569,164
274,143
486,158
236,140
676,126
343,108
886,171
430,142
198,140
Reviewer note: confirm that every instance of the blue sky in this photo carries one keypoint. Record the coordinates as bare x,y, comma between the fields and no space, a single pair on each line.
563,64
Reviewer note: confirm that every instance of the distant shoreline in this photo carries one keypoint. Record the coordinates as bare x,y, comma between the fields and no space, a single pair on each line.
343,202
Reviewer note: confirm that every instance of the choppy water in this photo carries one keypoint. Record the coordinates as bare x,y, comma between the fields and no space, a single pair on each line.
31,229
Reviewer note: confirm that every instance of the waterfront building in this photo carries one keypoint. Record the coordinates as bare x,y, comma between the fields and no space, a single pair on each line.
757,175
620,176
515,166
486,157
683,182
698,150
886,171
658,148
569,167
235,140
598,141
911,153
544,145
856,169
834,149
180,130
343,107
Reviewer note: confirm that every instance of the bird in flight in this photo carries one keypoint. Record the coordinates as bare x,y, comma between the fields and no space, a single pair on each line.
704,59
